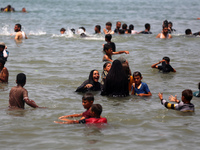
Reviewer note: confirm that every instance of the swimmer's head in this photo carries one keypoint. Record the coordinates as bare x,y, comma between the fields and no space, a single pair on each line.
188,32
107,66
108,37
167,59
137,76
97,29
170,24
187,95
107,47
108,25
131,27
2,46
73,30
165,29
21,79
62,30
23,9
165,23
124,26
87,100
147,26
96,110
118,24
17,27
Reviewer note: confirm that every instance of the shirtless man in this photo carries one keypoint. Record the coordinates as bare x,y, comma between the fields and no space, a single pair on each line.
108,29
20,34
3,72
19,96
164,34
118,26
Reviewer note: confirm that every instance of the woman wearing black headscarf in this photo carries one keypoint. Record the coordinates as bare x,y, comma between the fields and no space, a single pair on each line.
91,84
116,83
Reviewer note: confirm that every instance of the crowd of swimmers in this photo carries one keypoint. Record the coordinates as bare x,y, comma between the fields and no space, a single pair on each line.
167,30
116,78
9,8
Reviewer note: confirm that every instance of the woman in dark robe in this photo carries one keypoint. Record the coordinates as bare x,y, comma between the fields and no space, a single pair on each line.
116,83
91,84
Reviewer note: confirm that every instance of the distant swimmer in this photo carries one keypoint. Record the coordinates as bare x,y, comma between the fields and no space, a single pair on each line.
62,31
108,29
147,29
19,95
3,72
20,34
81,32
97,29
170,29
124,27
189,32
8,9
118,26
24,10
131,29
165,67
164,34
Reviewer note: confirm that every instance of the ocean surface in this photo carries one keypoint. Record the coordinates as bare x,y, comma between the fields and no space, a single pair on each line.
56,65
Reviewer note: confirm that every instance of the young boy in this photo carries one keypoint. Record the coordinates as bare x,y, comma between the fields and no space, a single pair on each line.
184,105
62,31
87,101
108,29
165,67
108,38
139,88
19,96
108,50
3,72
95,113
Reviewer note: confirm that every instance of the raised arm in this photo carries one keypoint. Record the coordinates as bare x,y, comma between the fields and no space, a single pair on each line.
70,116
156,64
120,52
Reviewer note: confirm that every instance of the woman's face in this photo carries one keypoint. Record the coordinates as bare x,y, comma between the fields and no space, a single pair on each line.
95,76
108,67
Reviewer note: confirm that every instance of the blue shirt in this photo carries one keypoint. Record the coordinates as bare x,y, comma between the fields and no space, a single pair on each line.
144,89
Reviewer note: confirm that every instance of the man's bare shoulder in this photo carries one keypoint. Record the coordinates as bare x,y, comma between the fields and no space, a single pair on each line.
18,88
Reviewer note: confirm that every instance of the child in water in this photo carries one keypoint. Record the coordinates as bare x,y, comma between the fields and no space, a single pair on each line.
95,113
87,101
108,50
183,106
106,69
139,88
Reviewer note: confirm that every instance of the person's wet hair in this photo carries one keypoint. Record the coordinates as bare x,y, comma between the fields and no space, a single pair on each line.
98,27
124,26
63,29
187,94
108,37
97,109
137,73
165,23
166,59
18,25
108,24
131,27
82,28
106,47
188,31
170,23
21,79
147,26
88,96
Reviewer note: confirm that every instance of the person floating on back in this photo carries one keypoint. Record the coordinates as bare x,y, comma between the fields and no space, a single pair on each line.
183,106
165,67
87,101
139,88
108,50
95,113
19,96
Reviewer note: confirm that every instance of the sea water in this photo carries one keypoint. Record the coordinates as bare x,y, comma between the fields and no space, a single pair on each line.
56,65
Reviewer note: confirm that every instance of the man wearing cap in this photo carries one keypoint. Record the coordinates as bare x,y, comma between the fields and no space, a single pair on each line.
3,72
3,52
20,34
